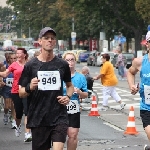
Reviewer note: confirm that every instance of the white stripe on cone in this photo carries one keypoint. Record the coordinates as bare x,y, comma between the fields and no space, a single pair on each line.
131,124
94,102
131,114
94,109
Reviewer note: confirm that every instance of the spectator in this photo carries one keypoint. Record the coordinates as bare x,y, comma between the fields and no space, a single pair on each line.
120,64
37,53
109,81
89,79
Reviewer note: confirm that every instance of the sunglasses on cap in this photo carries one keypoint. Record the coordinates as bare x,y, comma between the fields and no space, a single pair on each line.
148,41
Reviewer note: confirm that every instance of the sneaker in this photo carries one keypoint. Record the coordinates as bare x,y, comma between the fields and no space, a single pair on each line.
18,131
28,137
13,124
10,118
104,108
5,119
146,147
122,105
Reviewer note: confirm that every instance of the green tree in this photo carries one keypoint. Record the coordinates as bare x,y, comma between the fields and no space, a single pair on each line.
6,15
90,17
143,8
33,14
116,15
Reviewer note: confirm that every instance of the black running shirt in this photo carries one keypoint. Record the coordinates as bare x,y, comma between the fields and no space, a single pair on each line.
43,106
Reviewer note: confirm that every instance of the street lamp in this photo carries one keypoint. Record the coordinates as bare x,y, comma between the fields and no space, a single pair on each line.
41,11
20,24
73,34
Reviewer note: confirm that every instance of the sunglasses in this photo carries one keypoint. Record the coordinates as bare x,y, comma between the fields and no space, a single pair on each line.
148,41
72,60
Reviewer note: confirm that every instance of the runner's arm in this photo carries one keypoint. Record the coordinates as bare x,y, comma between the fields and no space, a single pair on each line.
4,73
22,92
25,91
69,88
136,66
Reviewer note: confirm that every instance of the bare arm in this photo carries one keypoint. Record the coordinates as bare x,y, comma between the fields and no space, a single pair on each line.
65,99
83,94
69,88
4,73
22,92
136,66
80,93
31,87
3,68
98,77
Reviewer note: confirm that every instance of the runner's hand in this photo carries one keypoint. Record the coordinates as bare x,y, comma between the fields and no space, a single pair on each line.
134,89
76,90
63,100
2,84
34,83
1,64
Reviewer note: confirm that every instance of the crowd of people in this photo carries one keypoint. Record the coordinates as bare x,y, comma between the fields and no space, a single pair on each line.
48,89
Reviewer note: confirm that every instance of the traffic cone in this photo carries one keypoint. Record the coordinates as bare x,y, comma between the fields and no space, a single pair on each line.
94,109
131,129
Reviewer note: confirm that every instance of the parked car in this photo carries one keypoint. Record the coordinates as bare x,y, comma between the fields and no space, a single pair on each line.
99,58
129,58
78,53
92,59
83,56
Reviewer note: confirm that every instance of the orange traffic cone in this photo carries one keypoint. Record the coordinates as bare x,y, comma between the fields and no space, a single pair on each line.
131,123
94,109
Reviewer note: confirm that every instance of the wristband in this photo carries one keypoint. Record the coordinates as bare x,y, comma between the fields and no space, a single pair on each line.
68,96
27,88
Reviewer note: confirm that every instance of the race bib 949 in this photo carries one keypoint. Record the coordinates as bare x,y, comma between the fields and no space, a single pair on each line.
49,80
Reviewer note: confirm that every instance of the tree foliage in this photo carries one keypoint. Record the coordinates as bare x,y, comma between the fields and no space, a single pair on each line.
113,15
6,17
90,17
143,8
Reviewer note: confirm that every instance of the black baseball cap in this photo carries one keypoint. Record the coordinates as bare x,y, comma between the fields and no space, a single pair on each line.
46,29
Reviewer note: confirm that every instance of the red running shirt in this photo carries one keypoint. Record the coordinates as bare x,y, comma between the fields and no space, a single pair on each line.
16,69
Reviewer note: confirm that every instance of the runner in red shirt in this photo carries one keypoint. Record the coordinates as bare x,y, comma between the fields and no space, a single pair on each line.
20,104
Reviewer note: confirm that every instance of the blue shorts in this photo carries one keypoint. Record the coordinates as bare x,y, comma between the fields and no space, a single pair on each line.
121,70
6,92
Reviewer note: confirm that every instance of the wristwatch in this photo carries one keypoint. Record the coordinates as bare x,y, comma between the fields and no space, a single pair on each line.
27,89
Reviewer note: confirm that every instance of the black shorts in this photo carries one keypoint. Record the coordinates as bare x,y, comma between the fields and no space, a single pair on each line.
145,116
20,105
42,136
74,120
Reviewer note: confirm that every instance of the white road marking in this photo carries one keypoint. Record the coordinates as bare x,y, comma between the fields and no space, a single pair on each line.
112,126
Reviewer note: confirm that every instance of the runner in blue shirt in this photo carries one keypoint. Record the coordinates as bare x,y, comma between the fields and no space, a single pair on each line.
6,90
142,64
80,91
